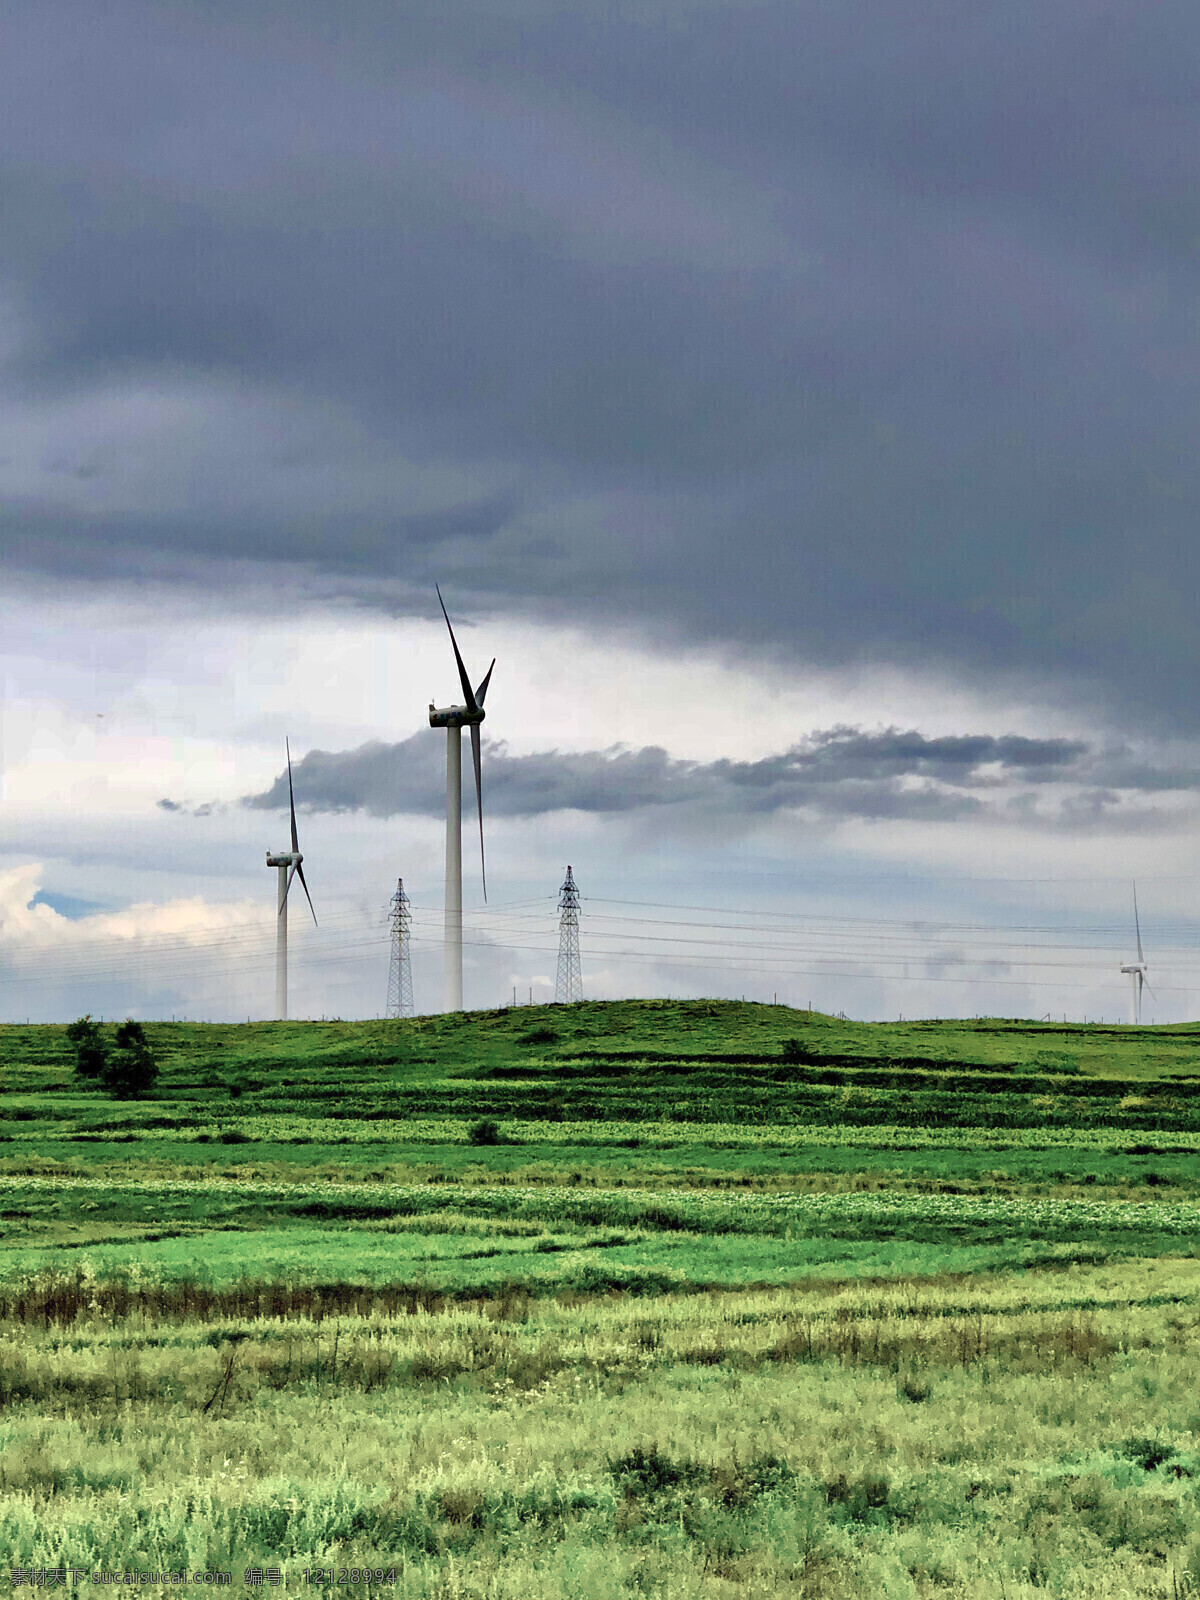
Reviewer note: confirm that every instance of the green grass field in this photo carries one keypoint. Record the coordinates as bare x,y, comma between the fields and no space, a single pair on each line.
741,1300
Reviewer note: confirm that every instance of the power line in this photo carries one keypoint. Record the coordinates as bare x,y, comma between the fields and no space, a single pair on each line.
1118,930
896,950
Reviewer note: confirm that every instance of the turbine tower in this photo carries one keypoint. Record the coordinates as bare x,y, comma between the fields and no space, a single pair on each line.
454,719
1137,970
288,863
400,995
569,986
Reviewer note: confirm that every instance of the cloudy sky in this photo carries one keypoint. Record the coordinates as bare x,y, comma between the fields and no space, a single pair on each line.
799,400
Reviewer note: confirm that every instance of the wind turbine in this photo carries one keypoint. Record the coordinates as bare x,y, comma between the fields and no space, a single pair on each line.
454,719
288,863
1137,969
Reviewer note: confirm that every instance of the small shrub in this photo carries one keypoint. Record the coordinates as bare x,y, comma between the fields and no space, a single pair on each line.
794,1052
538,1036
1148,1453
129,1073
859,1496
485,1131
651,1472
131,1036
235,1136
90,1053
131,1069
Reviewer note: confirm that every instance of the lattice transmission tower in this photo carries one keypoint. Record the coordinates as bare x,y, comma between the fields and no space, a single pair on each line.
400,995
569,986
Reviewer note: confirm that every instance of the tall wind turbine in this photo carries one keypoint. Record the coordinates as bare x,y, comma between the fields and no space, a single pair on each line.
454,719
289,867
1137,970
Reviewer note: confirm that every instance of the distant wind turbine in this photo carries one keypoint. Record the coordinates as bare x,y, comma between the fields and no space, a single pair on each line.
454,719
289,867
1137,970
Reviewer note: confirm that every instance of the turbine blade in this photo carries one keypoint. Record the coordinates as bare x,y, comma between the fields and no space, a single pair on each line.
468,693
482,689
287,889
1137,924
300,874
475,757
291,795
1149,990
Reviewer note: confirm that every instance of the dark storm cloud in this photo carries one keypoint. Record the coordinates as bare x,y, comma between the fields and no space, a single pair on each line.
841,772
837,331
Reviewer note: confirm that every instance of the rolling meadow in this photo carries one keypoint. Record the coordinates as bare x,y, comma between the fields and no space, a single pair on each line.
615,1299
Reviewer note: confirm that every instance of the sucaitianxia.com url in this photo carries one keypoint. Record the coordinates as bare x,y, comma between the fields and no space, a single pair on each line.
55,1577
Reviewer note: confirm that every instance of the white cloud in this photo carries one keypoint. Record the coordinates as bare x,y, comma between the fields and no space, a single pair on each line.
26,927
110,961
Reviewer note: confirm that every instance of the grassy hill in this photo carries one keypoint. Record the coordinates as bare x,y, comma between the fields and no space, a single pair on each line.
706,1042
680,1028
597,1073
617,1299
692,1098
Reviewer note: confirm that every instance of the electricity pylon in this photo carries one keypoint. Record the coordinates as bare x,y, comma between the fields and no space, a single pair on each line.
569,986
400,995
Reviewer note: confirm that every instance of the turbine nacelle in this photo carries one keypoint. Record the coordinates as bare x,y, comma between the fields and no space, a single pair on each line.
455,716
291,858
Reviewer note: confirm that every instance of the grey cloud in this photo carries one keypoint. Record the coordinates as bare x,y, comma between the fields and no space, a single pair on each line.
207,808
841,772
835,332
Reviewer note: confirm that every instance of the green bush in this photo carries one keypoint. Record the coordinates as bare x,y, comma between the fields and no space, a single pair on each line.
1148,1453
651,1472
485,1131
90,1052
131,1035
131,1070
